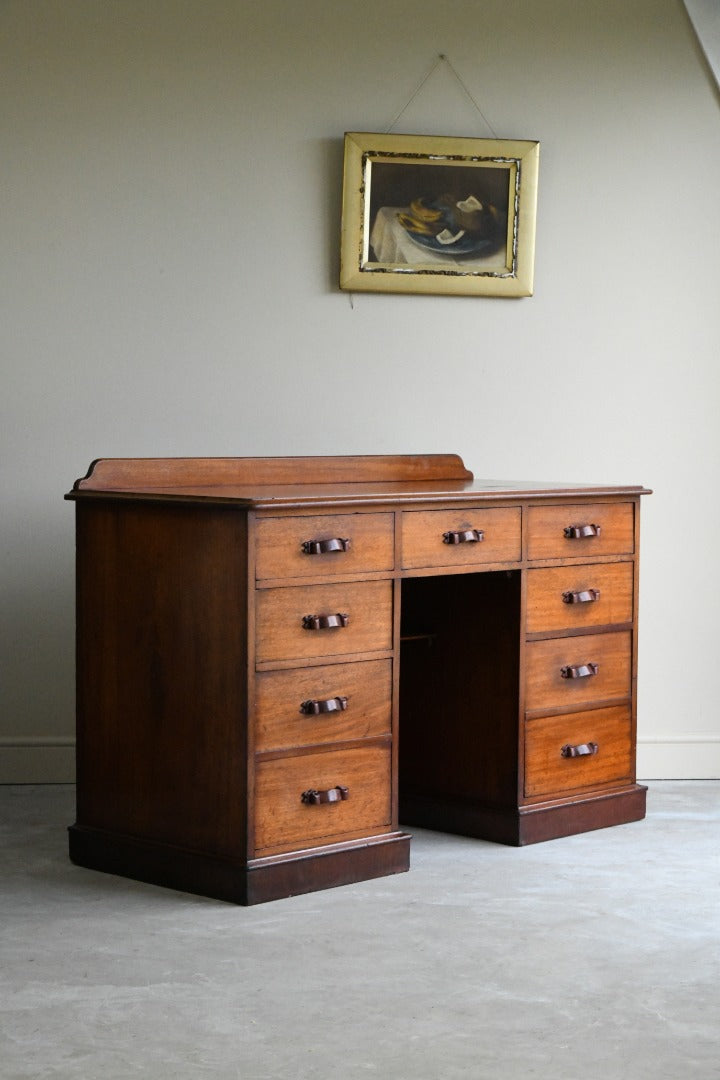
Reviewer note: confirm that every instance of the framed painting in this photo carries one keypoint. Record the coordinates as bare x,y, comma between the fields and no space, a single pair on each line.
436,214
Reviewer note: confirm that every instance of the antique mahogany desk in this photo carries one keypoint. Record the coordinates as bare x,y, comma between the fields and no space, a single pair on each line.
281,659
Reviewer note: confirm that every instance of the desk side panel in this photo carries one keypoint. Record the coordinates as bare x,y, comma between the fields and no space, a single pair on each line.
161,674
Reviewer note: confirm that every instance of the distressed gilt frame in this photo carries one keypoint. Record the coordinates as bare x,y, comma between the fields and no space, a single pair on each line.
387,167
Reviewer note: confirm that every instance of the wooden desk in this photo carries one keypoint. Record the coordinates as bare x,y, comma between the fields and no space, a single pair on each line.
281,659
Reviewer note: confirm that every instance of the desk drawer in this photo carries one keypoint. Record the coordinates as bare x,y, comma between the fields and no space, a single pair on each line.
579,595
324,545
481,536
283,821
283,633
306,706
577,670
602,739
581,531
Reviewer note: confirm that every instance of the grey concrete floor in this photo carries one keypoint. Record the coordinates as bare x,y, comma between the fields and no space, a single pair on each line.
595,957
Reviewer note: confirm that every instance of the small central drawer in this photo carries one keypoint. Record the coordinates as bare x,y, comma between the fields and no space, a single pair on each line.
579,595
578,750
287,819
462,537
306,621
306,706
581,531
323,545
577,670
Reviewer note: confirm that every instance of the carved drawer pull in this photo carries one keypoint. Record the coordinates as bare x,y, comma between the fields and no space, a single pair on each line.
585,596
324,622
580,532
464,536
312,707
321,547
579,671
583,750
313,797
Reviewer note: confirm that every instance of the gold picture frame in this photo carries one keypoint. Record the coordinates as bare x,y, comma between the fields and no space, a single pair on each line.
438,214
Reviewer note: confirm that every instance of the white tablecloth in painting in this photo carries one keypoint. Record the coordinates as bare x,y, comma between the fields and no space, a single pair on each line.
392,244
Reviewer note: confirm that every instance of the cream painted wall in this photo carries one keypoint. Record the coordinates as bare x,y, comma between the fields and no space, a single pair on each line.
172,173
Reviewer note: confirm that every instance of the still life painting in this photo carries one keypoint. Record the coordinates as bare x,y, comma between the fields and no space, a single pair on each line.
438,214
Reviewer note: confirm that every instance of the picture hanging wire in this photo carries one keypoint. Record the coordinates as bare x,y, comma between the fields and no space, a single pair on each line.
442,58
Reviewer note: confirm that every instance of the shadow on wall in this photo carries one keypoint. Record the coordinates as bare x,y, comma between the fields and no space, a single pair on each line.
38,630
705,18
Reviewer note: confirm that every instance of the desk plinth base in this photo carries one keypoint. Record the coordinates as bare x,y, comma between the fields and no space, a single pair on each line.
526,824
255,882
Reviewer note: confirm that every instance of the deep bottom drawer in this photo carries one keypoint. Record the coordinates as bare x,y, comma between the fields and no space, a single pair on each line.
284,822
578,750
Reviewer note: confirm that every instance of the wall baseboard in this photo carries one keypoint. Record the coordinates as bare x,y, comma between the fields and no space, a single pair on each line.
679,757
37,759
50,759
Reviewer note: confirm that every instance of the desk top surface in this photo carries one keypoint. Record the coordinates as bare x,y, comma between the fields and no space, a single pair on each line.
317,481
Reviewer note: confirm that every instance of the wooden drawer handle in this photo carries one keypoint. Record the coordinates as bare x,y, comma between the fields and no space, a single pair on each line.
312,707
313,797
580,532
464,536
322,547
324,622
583,750
585,596
579,671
